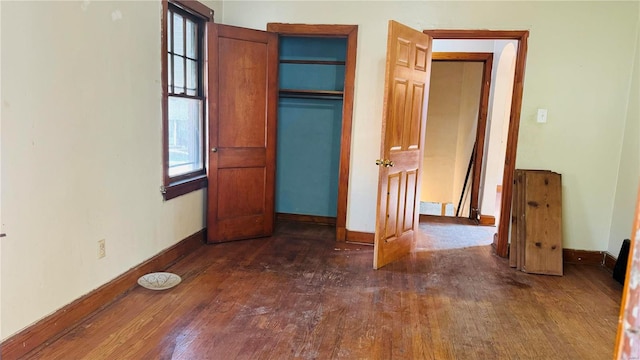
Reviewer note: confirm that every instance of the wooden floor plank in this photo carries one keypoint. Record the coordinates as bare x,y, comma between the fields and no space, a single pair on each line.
301,295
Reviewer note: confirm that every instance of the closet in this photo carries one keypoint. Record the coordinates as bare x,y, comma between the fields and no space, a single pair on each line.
309,130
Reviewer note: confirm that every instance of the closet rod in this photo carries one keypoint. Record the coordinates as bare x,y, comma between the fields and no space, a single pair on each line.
308,96
313,62
311,94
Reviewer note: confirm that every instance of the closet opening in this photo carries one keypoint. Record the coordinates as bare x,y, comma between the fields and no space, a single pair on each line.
311,88
315,102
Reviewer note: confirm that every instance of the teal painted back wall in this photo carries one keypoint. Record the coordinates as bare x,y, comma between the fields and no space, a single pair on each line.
309,129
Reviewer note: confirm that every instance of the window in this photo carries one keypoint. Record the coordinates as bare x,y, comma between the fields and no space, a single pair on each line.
184,102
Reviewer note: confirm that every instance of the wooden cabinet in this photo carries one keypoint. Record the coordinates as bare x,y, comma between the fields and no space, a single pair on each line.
536,222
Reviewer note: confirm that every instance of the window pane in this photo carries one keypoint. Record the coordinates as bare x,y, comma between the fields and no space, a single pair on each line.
191,39
185,135
178,74
169,30
170,73
192,77
178,34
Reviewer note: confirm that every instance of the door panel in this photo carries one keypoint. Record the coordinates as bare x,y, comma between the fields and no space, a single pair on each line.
244,192
399,99
243,83
416,108
241,157
412,188
393,204
242,128
406,88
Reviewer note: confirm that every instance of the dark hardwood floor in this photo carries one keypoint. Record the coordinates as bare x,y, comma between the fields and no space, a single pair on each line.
301,295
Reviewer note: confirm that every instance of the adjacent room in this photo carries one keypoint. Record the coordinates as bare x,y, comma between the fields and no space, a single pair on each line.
129,144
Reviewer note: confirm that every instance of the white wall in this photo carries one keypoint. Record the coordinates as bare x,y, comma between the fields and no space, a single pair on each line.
629,168
450,134
81,151
441,135
455,88
500,97
460,45
467,130
578,71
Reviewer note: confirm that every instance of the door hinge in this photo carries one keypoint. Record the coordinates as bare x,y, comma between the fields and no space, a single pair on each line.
163,189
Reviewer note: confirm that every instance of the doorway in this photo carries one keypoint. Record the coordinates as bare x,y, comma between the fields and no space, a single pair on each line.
502,237
397,215
455,134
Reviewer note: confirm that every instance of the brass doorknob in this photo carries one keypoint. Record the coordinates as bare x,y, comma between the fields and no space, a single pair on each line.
385,163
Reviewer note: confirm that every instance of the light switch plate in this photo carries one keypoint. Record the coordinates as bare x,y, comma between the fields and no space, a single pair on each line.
542,116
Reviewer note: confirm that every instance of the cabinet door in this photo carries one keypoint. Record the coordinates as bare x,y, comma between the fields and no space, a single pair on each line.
243,73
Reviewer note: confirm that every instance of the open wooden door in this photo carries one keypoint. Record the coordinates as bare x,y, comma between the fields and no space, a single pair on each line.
403,127
628,337
243,72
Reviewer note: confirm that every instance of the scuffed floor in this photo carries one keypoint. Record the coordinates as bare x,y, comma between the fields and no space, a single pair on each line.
301,295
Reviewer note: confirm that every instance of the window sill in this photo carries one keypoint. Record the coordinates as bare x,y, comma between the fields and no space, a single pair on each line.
182,187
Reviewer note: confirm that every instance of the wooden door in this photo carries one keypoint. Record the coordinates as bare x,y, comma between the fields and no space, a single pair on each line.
403,126
243,69
628,337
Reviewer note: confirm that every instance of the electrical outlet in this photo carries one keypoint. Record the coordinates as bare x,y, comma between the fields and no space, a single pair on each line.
102,249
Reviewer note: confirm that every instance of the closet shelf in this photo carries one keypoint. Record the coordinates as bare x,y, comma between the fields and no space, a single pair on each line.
315,62
312,94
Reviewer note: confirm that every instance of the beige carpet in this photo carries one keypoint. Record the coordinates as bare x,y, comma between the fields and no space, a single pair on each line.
442,236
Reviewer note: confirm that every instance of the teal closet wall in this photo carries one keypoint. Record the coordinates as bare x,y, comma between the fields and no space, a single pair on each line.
309,125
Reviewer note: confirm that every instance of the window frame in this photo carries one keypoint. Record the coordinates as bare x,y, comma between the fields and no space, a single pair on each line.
182,184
